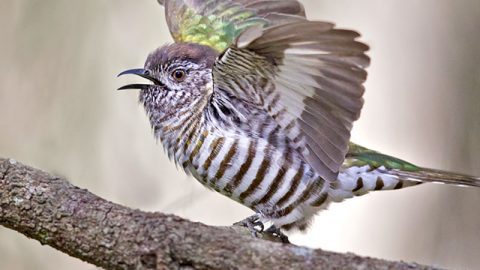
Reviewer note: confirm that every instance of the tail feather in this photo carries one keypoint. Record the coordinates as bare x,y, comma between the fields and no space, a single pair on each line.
365,170
359,180
437,176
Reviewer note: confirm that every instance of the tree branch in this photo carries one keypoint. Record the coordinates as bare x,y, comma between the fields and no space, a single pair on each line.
54,212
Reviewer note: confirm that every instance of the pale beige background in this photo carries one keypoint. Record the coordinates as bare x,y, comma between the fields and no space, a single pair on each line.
59,111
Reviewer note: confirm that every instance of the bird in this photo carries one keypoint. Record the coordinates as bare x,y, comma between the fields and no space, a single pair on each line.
257,103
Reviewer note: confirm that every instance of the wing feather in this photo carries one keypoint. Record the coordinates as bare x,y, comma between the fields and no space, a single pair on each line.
292,7
317,73
217,23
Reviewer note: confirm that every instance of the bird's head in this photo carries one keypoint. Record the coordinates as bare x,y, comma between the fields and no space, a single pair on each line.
180,75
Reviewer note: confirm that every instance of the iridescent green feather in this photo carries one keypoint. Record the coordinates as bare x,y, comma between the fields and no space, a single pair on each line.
361,156
212,23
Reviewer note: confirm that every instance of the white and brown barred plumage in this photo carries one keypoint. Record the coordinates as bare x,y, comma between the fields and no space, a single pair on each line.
263,115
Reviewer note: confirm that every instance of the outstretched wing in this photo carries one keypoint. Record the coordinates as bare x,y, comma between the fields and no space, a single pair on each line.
217,23
308,77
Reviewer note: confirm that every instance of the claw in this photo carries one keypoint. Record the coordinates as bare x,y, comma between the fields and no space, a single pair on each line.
256,227
253,223
278,233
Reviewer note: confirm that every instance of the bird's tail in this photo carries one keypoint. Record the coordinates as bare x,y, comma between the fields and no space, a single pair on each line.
437,176
366,170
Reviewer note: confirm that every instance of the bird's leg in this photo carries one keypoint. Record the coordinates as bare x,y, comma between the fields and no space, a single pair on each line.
278,233
255,226
252,222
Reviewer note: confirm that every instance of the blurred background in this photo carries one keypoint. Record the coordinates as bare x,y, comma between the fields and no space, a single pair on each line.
59,111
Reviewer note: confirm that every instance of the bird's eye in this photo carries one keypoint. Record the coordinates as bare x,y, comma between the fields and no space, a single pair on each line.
179,75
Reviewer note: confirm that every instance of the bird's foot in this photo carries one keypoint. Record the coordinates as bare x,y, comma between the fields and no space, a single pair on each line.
257,229
253,224
278,233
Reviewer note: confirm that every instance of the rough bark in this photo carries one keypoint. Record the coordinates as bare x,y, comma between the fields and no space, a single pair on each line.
54,212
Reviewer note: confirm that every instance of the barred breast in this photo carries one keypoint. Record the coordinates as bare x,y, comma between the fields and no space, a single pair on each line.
276,183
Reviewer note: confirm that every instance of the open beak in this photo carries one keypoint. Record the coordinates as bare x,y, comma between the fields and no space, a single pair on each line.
142,73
